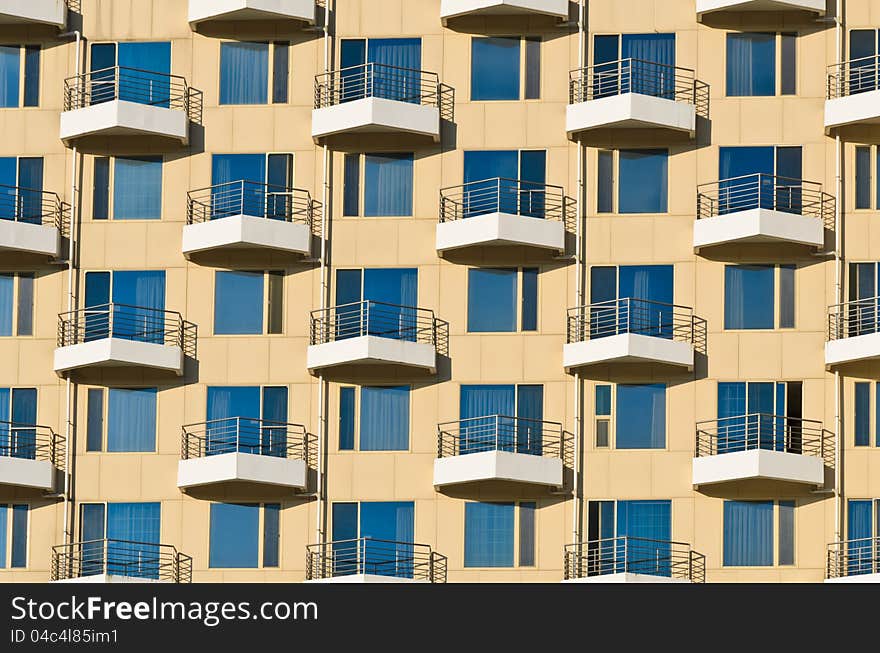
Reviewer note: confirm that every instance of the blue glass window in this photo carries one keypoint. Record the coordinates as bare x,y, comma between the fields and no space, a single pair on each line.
238,303
491,177
388,185
751,64
495,68
18,557
641,416
31,75
863,178
346,419
271,534
488,534
131,419
492,295
384,422
862,414
643,181
7,295
244,73
10,75
748,533
749,296
487,411
390,522
21,185
137,188
234,536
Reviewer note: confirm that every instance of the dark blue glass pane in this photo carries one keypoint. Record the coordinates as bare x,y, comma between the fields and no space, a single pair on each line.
641,416
488,534
30,180
495,68
492,299
234,536
18,556
533,176
748,533
95,420
32,75
345,530
484,193
353,80
352,186
751,64
273,439
244,73
103,88
388,185
238,303
232,193
642,181
346,419
603,400
23,440
749,296
271,534
280,74
863,177
862,414
530,416
149,83
530,299
97,322
10,75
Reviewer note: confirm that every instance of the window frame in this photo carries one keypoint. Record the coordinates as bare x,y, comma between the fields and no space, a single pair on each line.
22,74
611,420
270,72
617,187
356,426
779,37
261,534
519,307
111,188
777,298
524,39
267,313
6,562
16,304
776,532
516,536
361,186
873,415
105,421
873,182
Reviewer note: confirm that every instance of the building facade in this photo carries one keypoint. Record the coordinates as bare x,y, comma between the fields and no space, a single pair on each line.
439,290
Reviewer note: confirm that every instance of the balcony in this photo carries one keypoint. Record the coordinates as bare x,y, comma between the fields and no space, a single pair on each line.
244,451
32,223
119,561
247,216
764,448
854,561
762,208
504,213
633,331
385,102
853,332
498,448
705,7
30,456
367,560
122,336
220,12
853,96
376,334
454,9
116,109
36,12
633,94
633,560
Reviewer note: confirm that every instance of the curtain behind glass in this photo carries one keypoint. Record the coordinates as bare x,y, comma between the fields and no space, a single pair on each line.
495,68
396,289
131,419
227,433
482,193
641,416
481,408
10,75
238,302
749,297
731,417
149,83
390,521
859,533
388,185
230,195
5,441
488,534
648,520
492,300
24,415
30,182
653,71
402,81
137,188
748,533
244,73
234,536
7,286
530,414
651,283
644,182
142,294
384,419
137,525
751,64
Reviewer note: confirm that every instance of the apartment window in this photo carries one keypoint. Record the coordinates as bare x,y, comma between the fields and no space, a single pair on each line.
753,67
240,533
19,76
245,72
485,193
16,304
650,522
246,301
143,78
634,63
867,164
133,531
754,530
21,189
127,188
492,536
500,70
391,524
13,536
641,179
866,399
18,407
863,49
652,287
759,297
862,526
394,75
739,399
232,412
251,184
495,302
638,416
378,185
381,424
121,419
481,405
139,304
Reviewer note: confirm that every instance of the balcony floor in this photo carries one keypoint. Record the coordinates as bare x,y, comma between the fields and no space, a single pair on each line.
376,116
121,118
626,577
711,6
498,466
35,239
201,11
628,348
758,464
117,352
451,9
856,578
630,110
247,232
852,350
40,12
27,474
758,226
364,578
372,350
501,230
282,473
107,579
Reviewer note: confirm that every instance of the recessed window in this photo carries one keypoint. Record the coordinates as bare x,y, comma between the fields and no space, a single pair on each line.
495,303
381,424
492,537
143,75
248,303
752,66
754,530
505,68
862,530
637,419
138,298
649,522
759,297
246,69
13,535
243,534
18,408
16,304
19,76
132,532
378,185
127,188
386,533
121,419
21,189
489,409
641,179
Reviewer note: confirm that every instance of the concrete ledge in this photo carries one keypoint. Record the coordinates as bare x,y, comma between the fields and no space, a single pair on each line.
857,578
372,349
42,12
758,464
123,118
626,577
231,10
850,350
709,6
105,579
376,115
26,473
253,468
628,348
246,231
117,352
500,466
500,229
758,226
631,110
450,9
30,238
860,108
364,578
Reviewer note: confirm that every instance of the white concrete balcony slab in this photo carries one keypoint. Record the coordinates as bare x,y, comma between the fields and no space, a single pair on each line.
248,215
115,335
633,560
34,12
452,9
853,93
31,222
761,447
633,331
854,561
115,561
360,579
30,456
625,577
203,11
853,332
711,6
369,560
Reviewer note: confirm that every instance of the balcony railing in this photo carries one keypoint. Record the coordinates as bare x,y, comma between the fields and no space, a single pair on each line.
31,442
853,558
261,437
760,431
126,322
146,561
74,5
133,85
375,557
501,433
374,80
636,316
762,191
500,195
32,206
634,555
853,77
369,318
642,77
250,198
854,318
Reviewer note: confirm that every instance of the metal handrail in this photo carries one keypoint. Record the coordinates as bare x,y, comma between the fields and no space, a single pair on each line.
853,557
248,435
133,85
767,432
33,206
853,77
763,191
114,557
639,76
857,317
250,198
31,442
127,322
501,433
634,555
371,556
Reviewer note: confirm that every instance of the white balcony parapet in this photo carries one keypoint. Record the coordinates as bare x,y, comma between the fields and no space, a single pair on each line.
633,560
853,332
761,447
633,93
245,450
854,561
368,560
32,222
30,456
379,99
119,561
711,6
37,12
762,208
452,9
117,335
249,215
503,212
202,11
630,330
127,102
500,448
853,96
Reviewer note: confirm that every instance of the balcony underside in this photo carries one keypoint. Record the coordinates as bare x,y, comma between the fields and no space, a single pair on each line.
452,9
123,119
376,116
629,348
204,11
245,232
710,6
626,577
758,226
372,350
501,230
37,12
853,349
856,109
365,578
628,111
106,579
27,474
242,468
33,239
856,578
498,466
118,352
758,464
